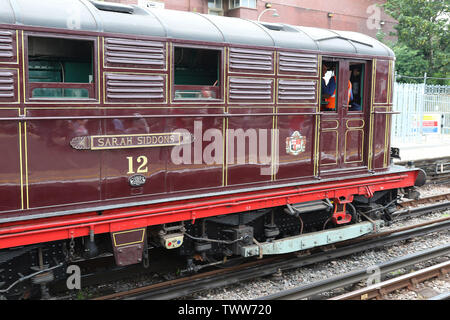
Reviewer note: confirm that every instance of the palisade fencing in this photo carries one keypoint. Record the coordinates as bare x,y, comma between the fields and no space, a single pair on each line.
424,112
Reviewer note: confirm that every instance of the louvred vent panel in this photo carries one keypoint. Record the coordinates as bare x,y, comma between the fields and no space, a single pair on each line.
251,60
298,64
297,91
8,46
127,53
250,90
7,80
135,88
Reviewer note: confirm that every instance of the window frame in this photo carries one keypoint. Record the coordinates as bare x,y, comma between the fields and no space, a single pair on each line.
216,7
232,5
362,89
337,75
221,77
92,87
216,12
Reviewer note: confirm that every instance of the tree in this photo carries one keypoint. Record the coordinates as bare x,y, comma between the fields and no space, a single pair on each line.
422,32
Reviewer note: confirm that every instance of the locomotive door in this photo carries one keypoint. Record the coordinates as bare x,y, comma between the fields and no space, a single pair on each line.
345,107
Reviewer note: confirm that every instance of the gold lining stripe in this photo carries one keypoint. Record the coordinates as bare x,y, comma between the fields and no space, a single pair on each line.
20,163
227,152
392,80
386,138
62,101
128,231
311,106
170,73
23,68
26,164
387,85
357,127
337,149
334,128
99,43
318,119
274,144
224,77
371,117
362,147
316,147
115,108
223,151
277,62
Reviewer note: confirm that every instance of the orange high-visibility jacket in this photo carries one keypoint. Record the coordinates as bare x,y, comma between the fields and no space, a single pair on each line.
331,101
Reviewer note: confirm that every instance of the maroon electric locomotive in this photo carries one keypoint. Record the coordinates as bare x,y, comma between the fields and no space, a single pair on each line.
126,130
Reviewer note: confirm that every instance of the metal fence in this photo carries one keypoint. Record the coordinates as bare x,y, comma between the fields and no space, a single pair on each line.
424,112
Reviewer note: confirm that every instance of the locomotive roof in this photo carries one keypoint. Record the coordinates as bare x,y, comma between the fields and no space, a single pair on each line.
96,16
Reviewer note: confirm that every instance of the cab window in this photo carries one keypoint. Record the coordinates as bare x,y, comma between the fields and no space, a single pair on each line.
60,68
357,73
196,73
329,86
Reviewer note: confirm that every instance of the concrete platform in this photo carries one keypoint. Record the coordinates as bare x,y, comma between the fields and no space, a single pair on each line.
429,147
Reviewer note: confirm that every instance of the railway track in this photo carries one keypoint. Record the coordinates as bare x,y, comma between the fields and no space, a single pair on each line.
90,278
374,291
380,290
108,278
425,200
411,209
218,278
437,169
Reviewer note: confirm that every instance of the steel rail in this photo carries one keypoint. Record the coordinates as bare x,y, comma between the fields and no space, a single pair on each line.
356,276
442,296
414,212
426,200
187,287
410,280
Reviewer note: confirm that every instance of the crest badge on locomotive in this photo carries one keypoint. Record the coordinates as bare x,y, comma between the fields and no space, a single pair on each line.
295,144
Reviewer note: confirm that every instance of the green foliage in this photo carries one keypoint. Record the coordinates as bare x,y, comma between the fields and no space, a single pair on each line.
409,63
422,32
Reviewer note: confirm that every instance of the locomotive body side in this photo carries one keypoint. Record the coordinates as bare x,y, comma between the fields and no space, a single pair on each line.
268,97
135,131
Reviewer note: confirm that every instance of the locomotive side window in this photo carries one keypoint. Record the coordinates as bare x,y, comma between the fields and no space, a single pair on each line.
329,82
357,73
196,74
60,68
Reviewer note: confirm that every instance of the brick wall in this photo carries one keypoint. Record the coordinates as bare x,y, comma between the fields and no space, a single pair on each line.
351,15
